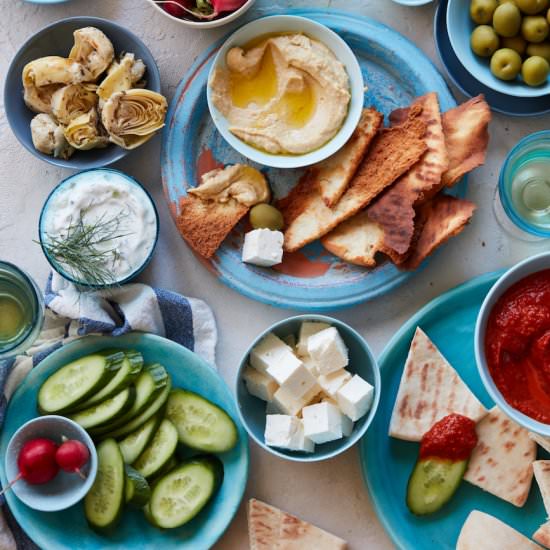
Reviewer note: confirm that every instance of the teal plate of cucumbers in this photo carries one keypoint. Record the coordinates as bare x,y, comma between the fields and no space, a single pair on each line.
173,456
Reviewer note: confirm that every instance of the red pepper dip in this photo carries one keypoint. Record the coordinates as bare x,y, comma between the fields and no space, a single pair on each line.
517,345
451,438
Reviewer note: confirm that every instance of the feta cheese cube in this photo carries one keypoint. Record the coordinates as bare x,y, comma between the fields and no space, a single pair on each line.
333,381
347,425
307,329
355,397
287,403
259,384
322,422
286,432
328,350
293,377
269,352
263,247
310,365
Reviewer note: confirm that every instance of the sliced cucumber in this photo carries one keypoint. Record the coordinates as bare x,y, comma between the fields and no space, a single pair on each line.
201,425
106,411
432,483
77,381
166,469
137,491
180,495
104,503
128,372
134,444
159,451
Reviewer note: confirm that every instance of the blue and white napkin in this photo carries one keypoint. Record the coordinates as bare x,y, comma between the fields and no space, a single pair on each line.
71,314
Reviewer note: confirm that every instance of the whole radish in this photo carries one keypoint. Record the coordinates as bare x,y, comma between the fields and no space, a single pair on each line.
71,456
203,9
36,462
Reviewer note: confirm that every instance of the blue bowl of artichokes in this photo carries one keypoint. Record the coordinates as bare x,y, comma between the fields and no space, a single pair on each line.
83,92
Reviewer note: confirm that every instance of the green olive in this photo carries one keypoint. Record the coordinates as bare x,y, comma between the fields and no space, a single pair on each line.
542,50
506,64
516,43
265,216
531,7
534,28
508,2
507,20
484,41
481,11
535,70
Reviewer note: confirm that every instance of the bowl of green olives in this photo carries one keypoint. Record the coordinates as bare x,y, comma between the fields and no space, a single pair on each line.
505,44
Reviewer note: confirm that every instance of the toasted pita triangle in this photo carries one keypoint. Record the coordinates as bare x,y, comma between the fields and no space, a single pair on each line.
542,534
272,529
544,442
541,469
484,532
429,390
467,137
502,462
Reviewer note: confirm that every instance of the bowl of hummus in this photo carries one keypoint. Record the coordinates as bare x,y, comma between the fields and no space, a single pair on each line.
285,91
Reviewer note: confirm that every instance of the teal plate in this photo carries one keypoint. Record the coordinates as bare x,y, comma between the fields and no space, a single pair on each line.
68,530
449,321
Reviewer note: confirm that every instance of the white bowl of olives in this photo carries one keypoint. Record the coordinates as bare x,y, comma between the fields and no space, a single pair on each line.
505,44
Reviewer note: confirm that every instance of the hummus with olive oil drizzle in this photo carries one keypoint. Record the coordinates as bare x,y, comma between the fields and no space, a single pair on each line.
285,94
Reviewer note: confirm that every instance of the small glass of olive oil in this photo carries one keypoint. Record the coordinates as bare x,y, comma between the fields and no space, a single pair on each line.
522,200
21,310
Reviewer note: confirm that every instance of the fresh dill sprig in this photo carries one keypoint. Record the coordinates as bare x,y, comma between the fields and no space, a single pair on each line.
78,252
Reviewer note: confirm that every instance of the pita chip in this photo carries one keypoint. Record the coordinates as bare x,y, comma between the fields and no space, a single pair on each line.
541,469
544,442
502,462
467,138
272,529
542,534
482,531
430,389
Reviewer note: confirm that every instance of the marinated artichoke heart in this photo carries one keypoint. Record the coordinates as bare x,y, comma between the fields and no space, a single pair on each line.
84,133
72,101
47,137
44,76
121,76
243,183
93,50
132,117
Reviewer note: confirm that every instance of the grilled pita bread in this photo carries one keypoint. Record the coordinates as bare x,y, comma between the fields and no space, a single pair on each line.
335,173
544,442
541,469
440,219
392,153
542,534
467,138
502,462
429,390
272,529
484,532
394,209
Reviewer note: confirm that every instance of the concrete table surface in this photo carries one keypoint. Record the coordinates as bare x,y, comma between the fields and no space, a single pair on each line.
330,494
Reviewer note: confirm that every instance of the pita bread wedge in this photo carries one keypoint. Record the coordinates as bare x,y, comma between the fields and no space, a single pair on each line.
467,138
335,173
391,154
484,532
272,529
544,442
541,469
429,390
542,534
502,462
440,219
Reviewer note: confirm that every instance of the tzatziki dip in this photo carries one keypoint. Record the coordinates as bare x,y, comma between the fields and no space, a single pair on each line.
98,227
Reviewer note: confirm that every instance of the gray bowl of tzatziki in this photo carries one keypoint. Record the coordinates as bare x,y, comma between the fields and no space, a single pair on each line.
98,228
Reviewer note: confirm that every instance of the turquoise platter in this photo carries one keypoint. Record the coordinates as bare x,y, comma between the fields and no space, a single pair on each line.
449,321
68,530
395,71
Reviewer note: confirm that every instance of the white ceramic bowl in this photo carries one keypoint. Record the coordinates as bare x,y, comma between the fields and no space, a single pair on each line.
520,271
65,489
460,27
195,23
289,23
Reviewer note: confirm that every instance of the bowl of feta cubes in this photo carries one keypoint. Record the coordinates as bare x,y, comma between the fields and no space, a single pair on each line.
308,388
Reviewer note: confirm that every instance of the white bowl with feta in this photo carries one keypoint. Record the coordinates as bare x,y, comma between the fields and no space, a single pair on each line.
308,388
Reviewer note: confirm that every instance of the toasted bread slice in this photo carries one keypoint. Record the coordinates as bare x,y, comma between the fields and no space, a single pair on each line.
392,153
335,173
467,138
441,218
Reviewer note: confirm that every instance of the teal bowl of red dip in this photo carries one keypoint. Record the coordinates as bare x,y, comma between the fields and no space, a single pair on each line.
512,343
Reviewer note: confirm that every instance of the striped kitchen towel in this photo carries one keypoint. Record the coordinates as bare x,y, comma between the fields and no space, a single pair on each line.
71,314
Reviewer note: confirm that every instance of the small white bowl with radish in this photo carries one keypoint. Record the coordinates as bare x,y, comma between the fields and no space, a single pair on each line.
202,14
51,463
